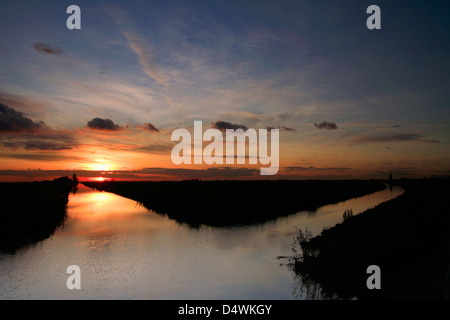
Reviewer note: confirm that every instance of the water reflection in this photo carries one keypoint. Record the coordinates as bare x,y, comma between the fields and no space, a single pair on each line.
330,215
128,252
93,211
232,203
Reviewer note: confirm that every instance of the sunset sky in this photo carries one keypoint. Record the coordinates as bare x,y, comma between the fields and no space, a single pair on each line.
103,101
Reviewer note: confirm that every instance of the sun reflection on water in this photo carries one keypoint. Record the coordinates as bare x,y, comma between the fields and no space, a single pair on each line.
93,212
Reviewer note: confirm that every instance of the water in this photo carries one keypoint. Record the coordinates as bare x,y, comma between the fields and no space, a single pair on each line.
125,251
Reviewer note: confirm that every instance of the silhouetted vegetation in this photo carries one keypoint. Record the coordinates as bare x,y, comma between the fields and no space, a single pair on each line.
31,211
406,237
229,203
347,214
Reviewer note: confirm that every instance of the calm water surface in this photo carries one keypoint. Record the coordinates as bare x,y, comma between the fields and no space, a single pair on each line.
125,251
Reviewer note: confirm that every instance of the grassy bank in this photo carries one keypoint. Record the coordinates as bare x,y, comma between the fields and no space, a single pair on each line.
228,203
31,211
406,237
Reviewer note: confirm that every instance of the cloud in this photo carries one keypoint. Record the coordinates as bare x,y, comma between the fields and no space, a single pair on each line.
154,173
23,103
223,125
326,125
157,147
51,174
282,128
149,127
311,168
46,145
11,145
23,132
140,45
48,140
442,171
38,173
103,124
215,172
44,157
46,48
14,121
394,137
145,56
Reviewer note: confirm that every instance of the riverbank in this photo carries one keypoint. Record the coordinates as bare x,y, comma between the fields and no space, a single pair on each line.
231,203
31,211
406,237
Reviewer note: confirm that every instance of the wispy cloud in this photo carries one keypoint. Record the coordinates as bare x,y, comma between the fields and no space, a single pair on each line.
137,43
46,48
27,105
145,55
46,140
44,157
312,168
65,143
393,137
156,147
281,128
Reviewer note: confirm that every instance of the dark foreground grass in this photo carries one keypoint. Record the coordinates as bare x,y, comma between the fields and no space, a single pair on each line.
31,211
406,237
231,203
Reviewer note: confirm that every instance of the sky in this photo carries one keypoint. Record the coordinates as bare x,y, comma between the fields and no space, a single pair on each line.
103,101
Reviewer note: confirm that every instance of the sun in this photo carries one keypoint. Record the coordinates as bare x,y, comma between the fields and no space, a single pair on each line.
101,167
97,179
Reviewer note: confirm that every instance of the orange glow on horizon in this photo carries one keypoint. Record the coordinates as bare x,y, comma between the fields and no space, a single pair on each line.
94,179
